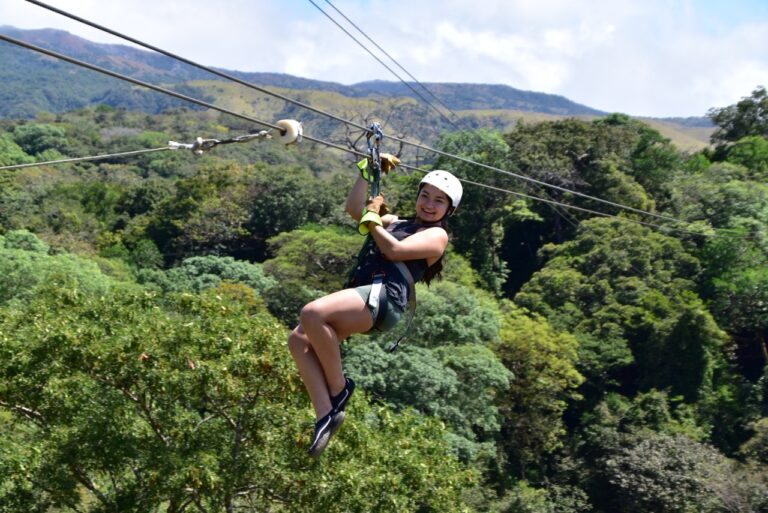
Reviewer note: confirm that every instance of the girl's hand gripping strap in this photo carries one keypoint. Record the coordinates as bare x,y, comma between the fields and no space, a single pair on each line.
368,217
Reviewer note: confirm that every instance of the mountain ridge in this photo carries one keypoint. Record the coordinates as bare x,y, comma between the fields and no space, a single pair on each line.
149,65
64,89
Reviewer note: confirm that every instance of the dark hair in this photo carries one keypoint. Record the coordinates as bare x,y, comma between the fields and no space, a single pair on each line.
436,270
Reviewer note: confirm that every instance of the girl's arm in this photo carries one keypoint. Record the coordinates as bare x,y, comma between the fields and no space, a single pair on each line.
358,198
429,244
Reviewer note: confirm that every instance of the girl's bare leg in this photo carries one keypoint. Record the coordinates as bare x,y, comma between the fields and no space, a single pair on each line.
315,343
310,370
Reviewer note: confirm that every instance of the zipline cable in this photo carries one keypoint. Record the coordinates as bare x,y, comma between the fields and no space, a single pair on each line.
113,74
586,210
200,146
417,93
196,65
81,159
342,120
564,214
446,107
159,89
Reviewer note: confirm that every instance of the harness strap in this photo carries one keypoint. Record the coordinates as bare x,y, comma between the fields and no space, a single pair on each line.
374,297
411,301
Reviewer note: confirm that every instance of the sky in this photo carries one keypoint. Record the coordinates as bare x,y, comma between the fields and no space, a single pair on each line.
658,58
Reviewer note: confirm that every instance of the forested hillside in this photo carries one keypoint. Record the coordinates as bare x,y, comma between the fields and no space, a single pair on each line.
567,362
153,67
33,83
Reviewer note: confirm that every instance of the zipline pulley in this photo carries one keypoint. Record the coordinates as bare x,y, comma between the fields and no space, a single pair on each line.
290,132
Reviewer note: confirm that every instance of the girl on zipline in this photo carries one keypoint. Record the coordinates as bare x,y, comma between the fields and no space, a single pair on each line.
379,291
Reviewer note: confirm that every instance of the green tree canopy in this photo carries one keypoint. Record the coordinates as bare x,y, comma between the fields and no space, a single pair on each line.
615,158
656,472
751,152
478,225
25,265
543,363
747,117
627,293
458,384
450,314
135,402
35,138
196,274
307,263
734,281
11,153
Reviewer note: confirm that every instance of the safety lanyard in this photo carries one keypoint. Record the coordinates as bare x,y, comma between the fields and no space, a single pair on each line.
374,137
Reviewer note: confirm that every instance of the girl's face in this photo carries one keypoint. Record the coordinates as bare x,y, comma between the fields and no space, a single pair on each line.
432,204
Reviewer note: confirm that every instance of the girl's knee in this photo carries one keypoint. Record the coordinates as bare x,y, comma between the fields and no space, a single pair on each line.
310,314
297,343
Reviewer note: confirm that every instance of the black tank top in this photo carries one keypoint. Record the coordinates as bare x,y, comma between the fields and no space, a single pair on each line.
374,262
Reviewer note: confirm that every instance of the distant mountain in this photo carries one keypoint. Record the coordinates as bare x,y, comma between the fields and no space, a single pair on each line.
149,66
33,83
484,97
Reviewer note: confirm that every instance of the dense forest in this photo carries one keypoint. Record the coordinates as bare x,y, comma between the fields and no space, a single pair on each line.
567,362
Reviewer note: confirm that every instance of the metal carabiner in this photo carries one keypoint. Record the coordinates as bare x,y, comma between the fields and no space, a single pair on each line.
374,158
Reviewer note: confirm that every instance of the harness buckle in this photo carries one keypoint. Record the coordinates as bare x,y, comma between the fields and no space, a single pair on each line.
374,298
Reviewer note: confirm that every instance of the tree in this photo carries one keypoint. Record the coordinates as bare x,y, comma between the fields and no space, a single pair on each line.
574,154
282,198
543,363
524,498
756,448
11,153
747,117
206,214
648,454
734,282
196,274
628,295
458,384
451,314
36,138
478,225
614,158
667,474
133,402
25,266
751,152
308,262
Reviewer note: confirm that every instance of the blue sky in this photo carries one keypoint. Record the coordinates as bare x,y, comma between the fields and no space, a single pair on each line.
645,58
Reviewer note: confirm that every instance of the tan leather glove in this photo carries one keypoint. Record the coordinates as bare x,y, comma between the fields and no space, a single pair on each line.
377,205
388,162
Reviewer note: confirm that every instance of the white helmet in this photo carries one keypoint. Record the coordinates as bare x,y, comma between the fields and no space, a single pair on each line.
447,183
